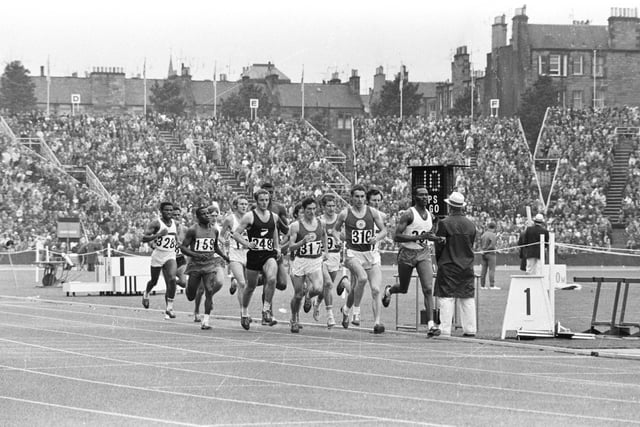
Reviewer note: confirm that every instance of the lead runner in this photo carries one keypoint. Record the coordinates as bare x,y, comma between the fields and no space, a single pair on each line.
162,233
359,221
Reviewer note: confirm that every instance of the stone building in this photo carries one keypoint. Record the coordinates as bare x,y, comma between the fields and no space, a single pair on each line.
591,65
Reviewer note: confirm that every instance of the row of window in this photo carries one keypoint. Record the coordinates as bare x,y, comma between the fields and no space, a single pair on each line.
570,65
578,99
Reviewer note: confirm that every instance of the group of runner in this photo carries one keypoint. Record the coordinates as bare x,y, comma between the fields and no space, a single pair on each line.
261,248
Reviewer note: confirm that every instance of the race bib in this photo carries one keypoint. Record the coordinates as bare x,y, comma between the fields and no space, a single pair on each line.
310,249
204,244
166,242
361,237
262,243
333,244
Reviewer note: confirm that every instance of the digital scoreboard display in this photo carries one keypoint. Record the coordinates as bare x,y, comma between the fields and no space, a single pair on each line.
439,181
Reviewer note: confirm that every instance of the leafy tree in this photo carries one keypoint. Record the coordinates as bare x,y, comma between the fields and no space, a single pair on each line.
462,105
167,98
17,89
389,102
533,104
237,104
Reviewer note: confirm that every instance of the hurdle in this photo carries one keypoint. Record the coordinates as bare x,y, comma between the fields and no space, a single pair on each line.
123,275
409,327
616,327
418,311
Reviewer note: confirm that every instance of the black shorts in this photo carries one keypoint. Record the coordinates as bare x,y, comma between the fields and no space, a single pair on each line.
257,259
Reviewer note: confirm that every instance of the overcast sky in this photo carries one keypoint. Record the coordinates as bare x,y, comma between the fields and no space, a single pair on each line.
324,36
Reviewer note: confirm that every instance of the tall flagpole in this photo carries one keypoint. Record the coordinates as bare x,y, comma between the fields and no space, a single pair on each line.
144,84
401,84
302,90
215,91
48,86
472,90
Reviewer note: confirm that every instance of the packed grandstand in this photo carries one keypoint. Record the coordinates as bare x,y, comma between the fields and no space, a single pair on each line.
132,161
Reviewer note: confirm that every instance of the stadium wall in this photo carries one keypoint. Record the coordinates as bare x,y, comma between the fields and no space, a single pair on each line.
389,258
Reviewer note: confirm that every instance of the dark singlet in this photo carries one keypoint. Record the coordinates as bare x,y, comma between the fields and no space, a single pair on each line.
203,243
312,249
359,231
262,233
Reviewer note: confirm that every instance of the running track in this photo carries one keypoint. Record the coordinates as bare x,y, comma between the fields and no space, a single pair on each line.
73,363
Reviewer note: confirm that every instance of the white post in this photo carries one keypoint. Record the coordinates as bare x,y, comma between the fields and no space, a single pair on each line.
552,289
38,248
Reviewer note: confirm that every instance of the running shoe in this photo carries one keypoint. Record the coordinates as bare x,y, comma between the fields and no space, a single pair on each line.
331,322
196,318
169,314
433,331
181,284
345,318
295,328
267,319
245,321
233,287
145,302
356,319
307,304
316,309
494,288
378,329
205,326
386,299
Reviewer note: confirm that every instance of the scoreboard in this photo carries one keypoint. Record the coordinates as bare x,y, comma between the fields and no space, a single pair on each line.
439,180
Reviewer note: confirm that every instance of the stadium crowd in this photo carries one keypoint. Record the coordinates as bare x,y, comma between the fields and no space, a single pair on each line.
129,156
583,141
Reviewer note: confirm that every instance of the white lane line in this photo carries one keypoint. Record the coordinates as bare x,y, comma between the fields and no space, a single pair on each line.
341,371
96,411
547,376
258,339
199,396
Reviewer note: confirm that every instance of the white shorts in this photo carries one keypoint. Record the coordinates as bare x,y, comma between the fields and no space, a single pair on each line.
365,259
160,258
303,266
376,256
333,261
238,255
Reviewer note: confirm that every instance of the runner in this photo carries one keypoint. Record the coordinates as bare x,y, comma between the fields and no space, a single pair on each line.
359,221
414,230
264,249
206,266
308,241
161,234
181,261
237,253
